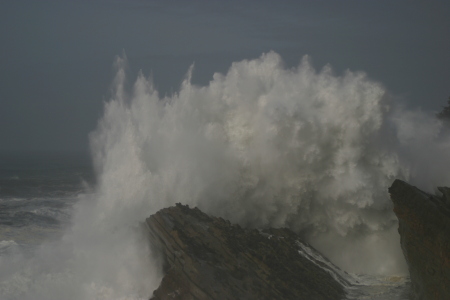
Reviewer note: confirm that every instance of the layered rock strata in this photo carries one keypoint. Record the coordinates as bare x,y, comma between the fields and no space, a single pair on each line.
209,258
424,227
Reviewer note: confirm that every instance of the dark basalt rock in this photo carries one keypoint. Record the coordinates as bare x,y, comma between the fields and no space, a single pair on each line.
209,258
424,227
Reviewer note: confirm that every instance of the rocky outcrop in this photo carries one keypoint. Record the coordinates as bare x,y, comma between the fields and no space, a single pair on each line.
209,258
424,227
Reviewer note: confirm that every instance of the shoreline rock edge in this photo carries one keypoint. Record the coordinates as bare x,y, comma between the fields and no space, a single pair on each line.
424,228
210,258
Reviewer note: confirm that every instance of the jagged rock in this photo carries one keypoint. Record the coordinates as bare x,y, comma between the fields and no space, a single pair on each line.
445,194
424,227
209,258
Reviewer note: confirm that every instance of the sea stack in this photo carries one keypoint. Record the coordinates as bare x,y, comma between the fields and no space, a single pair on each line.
209,258
424,227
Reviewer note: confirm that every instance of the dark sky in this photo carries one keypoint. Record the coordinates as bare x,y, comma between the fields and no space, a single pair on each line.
57,56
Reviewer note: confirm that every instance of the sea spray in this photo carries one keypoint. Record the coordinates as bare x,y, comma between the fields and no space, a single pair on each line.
262,145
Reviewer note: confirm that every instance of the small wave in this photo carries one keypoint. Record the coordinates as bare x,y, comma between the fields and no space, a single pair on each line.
16,199
27,237
57,214
7,245
25,218
12,199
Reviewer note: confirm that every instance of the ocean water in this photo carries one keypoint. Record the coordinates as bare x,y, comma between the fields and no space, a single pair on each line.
261,145
37,194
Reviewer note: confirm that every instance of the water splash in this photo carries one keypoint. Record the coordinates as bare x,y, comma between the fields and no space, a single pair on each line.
268,146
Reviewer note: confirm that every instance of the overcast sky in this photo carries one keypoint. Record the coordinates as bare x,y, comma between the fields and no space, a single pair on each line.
57,56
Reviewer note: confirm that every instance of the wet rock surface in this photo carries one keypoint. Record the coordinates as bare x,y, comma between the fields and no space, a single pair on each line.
209,258
424,227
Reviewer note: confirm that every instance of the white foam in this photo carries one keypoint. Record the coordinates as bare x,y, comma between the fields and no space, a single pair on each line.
6,244
343,278
55,213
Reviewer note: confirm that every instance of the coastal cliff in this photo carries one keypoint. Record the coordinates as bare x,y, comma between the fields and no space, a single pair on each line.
209,258
424,227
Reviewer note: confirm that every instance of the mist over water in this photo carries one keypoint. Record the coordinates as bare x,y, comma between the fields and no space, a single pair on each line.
262,145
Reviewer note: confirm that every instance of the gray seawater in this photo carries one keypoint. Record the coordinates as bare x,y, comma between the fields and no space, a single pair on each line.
37,193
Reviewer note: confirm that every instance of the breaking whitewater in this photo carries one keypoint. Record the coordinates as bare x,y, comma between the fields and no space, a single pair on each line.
262,145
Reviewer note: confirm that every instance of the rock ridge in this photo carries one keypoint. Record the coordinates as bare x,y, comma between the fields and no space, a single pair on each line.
424,227
210,258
